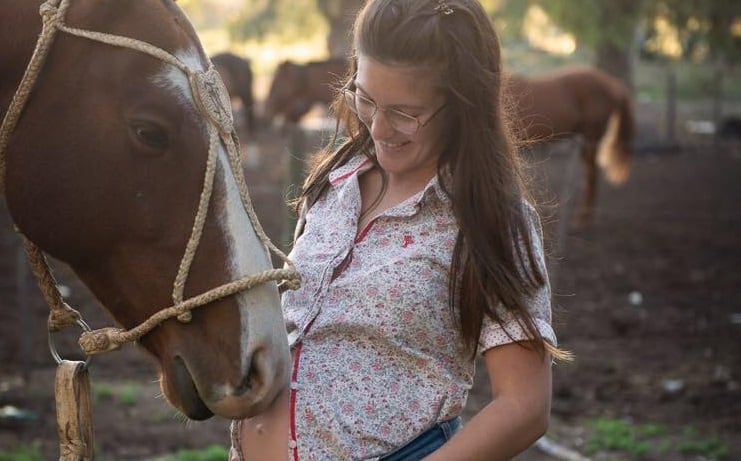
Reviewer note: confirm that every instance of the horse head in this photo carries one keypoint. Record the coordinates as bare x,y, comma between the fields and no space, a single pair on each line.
105,171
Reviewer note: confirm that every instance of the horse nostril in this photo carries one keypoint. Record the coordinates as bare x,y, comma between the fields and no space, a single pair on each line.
255,377
245,385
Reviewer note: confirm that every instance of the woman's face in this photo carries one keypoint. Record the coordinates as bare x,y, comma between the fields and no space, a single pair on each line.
409,90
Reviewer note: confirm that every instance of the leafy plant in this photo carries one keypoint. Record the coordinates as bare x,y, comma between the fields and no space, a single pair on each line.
711,447
210,453
618,437
126,393
23,452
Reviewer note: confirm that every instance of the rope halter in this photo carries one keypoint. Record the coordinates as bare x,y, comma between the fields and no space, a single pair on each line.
214,105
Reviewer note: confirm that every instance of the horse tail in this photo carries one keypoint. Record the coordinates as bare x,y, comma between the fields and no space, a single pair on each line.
616,144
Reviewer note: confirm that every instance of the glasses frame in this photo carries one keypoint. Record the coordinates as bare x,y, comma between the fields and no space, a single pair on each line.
351,98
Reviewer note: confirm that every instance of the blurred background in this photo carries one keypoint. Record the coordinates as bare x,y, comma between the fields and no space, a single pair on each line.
646,293
669,51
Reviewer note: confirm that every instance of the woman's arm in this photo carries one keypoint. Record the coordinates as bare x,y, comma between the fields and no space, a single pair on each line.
517,415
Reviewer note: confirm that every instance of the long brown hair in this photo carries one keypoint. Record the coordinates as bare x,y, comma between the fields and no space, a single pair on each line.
494,262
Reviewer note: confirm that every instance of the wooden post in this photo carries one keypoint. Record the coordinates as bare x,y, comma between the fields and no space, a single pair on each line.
671,106
74,412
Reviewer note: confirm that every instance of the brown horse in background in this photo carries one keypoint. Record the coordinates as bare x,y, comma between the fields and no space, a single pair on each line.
578,101
119,164
297,87
236,72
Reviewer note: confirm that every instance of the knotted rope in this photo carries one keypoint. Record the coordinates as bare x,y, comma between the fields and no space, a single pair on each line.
211,98
74,417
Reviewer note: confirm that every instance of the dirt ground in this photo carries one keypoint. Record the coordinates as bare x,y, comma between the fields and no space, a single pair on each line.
647,297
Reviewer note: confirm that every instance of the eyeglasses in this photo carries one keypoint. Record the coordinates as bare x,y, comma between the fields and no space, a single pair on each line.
366,109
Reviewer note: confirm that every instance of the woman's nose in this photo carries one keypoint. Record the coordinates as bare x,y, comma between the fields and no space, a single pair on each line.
380,126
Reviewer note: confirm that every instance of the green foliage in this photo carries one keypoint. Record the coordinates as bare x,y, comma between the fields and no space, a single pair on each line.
102,392
700,24
597,23
287,20
617,437
210,453
592,22
711,447
23,452
126,393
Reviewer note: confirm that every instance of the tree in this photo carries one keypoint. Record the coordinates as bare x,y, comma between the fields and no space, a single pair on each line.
340,15
609,27
297,18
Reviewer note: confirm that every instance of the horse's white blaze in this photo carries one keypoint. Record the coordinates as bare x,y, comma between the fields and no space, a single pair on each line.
249,256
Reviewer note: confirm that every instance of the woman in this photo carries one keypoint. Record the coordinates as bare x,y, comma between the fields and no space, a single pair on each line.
418,250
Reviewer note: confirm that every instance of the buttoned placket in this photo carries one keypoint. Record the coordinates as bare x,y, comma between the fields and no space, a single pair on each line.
296,337
334,269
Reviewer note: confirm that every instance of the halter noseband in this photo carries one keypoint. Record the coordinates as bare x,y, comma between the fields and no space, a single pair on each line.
212,101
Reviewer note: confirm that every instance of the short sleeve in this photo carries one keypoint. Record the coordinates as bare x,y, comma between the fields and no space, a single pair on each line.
539,304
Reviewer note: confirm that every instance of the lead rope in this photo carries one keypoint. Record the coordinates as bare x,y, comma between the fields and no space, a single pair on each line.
74,418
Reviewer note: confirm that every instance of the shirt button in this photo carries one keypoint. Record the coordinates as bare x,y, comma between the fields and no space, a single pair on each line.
292,444
294,385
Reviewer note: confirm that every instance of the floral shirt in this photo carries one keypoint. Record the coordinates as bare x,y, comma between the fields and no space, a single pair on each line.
377,355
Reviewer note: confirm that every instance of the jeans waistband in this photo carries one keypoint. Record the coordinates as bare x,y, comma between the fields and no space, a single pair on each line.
427,442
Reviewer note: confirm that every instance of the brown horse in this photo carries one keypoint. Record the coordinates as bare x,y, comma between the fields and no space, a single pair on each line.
297,87
236,72
106,168
579,101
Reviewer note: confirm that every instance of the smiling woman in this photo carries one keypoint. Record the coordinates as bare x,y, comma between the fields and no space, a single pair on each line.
122,164
419,249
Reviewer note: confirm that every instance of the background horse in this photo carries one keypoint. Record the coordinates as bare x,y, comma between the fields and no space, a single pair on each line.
105,171
578,101
236,72
297,87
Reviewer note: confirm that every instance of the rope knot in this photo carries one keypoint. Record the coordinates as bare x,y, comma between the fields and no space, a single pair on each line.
103,340
62,318
291,280
292,284
49,10
72,449
185,316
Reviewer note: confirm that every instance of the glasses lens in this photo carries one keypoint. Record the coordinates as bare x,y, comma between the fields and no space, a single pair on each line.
402,122
365,108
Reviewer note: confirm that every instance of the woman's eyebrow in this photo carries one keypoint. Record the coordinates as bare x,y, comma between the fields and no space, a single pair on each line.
393,106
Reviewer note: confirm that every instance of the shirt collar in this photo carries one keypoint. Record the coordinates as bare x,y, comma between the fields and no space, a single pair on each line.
360,164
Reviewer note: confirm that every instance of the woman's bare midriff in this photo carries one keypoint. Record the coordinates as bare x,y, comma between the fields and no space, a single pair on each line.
265,437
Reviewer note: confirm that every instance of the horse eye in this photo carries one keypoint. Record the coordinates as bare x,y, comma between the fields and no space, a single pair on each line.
151,135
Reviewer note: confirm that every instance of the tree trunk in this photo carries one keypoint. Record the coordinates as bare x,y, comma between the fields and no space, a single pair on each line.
616,61
614,48
340,15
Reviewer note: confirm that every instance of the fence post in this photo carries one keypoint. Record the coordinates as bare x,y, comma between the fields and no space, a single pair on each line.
671,105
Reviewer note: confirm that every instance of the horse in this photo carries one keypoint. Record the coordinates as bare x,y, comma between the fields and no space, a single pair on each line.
578,101
116,160
295,88
236,73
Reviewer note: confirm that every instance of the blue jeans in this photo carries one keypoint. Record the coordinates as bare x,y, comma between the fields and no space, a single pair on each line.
429,441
